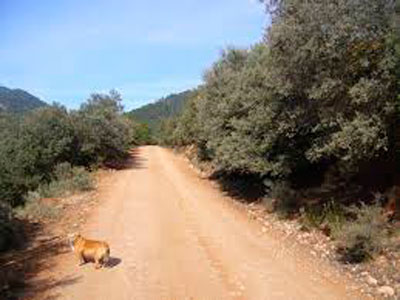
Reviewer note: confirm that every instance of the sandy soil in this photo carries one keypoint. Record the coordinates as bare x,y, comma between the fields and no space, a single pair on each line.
174,235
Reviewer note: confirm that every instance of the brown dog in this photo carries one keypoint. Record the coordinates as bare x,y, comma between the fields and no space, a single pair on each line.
90,250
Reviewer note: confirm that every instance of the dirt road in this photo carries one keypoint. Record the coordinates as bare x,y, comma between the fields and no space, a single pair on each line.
175,236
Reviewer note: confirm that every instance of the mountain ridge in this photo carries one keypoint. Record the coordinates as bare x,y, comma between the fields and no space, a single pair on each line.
163,108
18,100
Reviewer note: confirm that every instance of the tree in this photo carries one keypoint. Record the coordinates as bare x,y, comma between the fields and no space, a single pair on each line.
166,131
30,148
318,96
103,134
187,127
141,133
335,75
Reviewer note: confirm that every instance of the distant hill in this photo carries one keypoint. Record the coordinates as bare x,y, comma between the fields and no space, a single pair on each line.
17,100
163,108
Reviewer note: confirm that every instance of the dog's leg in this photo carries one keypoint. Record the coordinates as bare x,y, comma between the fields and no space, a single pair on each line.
97,264
81,259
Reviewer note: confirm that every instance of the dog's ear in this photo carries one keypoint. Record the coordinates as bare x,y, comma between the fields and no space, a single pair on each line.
70,240
72,236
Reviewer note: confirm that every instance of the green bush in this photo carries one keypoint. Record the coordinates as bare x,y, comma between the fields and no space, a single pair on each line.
67,179
103,133
31,145
44,153
186,131
81,180
365,235
142,134
286,199
319,94
52,189
330,217
35,209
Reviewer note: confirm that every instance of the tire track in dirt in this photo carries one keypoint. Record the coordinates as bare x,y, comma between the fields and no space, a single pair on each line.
177,237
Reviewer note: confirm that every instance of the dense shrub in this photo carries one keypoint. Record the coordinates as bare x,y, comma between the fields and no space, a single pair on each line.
329,217
166,132
30,148
141,134
35,209
317,97
45,153
363,236
66,179
46,138
186,131
13,183
103,133
32,145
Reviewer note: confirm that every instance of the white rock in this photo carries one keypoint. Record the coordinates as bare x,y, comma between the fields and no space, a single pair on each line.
371,280
386,291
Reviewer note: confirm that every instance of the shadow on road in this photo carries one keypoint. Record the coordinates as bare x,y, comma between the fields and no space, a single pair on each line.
133,160
113,262
19,269
242,187
42,288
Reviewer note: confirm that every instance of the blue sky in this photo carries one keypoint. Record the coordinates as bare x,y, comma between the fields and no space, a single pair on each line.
63,50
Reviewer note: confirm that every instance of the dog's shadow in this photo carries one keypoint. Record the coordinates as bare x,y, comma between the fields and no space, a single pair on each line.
113,262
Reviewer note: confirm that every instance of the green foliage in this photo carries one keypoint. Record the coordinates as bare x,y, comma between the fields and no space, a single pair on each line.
141,134
35,209
103,134
363,236
235,116
13,182
335,75
318,94
394,40
46,138
153,114
80,180
166,132
186,131
30,148
330,217
33,144
285,198
66,179
181,129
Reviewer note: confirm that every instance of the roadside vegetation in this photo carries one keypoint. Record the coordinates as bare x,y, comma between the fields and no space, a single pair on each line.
49,152
311,112
151,117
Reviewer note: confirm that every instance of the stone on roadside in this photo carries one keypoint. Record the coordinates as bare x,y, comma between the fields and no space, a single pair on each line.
371,280
386,291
